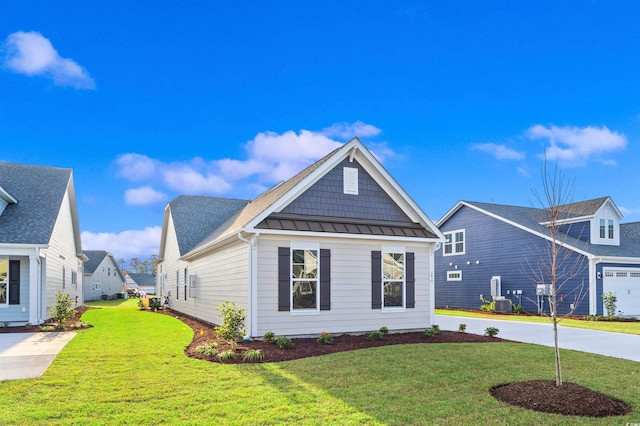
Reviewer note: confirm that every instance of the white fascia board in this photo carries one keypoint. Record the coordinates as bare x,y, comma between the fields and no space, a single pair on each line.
345,236
220,241
531,231
6,196
450,213
570,220
20,249
613,259
163,232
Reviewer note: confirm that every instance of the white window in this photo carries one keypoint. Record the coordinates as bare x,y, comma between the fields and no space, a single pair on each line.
4,281
454,275
610,225
305,278
96,286
454,242
393,279
602,229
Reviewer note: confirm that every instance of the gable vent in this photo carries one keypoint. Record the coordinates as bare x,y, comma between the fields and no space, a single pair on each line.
350,180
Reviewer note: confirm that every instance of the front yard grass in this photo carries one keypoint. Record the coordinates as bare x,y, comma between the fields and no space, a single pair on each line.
629,327
130,368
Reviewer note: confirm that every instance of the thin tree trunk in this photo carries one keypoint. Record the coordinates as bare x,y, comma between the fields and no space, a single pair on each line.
557,351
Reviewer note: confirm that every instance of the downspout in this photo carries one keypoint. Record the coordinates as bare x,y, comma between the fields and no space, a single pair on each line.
432,283
252,300
593,285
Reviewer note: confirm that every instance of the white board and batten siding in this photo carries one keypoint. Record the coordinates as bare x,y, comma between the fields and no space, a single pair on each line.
351,310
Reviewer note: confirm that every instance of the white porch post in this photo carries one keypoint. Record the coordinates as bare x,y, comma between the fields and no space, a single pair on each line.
34,288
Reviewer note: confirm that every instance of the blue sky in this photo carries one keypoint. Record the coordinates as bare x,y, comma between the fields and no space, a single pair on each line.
149,100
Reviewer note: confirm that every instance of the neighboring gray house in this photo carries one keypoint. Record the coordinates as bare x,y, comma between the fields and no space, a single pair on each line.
490,248
340,247
40,248
102,276
143,282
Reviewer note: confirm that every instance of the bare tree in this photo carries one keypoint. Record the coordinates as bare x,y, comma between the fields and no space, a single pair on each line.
557,265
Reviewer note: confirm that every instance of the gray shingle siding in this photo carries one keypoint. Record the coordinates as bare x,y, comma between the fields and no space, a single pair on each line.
502,250
326,198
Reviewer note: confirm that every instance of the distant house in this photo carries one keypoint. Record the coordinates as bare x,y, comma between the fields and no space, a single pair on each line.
340,247
40,248
102,276
490,248
142,282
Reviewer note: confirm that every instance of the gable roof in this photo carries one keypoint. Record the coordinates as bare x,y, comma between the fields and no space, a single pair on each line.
531,219
95,258
247,217
39,192
146,280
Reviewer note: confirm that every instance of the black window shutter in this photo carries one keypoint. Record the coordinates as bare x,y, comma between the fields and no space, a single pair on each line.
14,282
411,280
376,280
284,279
325,279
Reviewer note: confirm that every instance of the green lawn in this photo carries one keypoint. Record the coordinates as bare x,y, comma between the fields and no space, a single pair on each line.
618,327
130,369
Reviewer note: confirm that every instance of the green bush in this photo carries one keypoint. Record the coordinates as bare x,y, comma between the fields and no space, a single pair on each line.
517,308
432,331
233,318
462,328
384,331
325,339
284,342
209,349
269,337
491,331
487,306
374,335
609,300
253,355
63,310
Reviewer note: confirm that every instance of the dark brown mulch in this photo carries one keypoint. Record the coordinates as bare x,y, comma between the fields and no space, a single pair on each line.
31,328
569,399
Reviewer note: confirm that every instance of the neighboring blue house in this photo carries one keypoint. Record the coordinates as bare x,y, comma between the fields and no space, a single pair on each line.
491,249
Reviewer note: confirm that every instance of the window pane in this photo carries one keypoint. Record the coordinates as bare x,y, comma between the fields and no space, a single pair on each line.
611,229
304,294
392,294
601,228
392,266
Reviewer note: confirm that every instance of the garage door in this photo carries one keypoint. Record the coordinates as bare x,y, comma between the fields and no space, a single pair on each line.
625,284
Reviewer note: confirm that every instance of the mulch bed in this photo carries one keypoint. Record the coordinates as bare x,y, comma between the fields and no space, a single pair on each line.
70,326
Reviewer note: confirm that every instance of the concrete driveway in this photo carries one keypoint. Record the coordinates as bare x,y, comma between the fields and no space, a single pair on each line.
28,355
618,345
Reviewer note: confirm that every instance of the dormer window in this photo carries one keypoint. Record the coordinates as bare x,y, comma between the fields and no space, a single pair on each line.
610,224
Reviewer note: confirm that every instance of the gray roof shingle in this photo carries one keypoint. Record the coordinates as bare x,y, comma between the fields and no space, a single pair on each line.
94,259
39,191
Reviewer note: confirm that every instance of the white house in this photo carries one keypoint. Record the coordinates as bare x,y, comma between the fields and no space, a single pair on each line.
40,249
102,276
340,247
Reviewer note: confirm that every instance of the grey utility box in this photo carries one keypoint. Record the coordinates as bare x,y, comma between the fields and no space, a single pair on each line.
503,306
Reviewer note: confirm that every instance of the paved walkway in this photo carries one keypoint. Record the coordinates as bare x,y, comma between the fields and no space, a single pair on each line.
618,345
28,355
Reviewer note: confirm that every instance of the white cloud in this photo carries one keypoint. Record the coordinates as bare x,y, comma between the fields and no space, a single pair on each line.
30,53
348,131
144,195
270,157
127,244
577,145
501,152
629,212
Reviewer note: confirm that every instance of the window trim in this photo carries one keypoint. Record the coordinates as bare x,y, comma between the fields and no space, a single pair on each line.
310,247
453,242
6,285
393,250
454,272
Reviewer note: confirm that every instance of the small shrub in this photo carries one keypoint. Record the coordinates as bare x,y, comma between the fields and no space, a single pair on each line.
284,342
154,304
325,339
384,331
487,306
594,317
491,331
80,325
462,328
432,331
47,328
374,335
227,355
269,337
253,355
63,310
609,300
517,308
209,349
232,327
140,304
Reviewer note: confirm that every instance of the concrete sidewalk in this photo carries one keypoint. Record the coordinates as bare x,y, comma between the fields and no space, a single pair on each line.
618,345
28,355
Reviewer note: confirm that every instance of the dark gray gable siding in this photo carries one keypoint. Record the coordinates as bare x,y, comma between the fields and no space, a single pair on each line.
502,250
326,198
39,191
